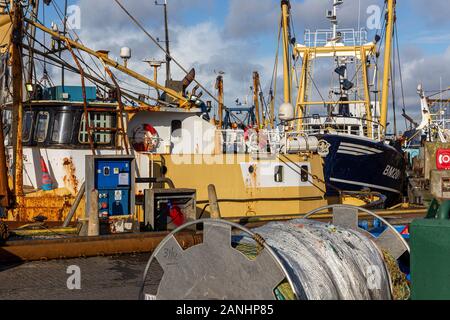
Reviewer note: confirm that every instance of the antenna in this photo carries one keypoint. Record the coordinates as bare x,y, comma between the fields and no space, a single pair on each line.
155,64
166,28
332,16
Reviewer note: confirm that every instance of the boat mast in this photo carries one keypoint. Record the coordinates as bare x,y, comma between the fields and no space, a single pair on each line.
4,188
17,95
334,21
285,7
60,52
166,29
219,87
387,64
34,16
256,85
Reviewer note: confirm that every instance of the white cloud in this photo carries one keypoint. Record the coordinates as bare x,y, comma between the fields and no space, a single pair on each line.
242,45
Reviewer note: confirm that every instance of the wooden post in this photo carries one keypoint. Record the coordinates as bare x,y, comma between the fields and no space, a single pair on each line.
213,202
93,221
17,91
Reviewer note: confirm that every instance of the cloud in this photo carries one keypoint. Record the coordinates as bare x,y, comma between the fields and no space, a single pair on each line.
429,70
434,13
245,41
202,45
254,18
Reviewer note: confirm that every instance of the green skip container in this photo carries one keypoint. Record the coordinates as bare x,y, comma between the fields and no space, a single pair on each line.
430,254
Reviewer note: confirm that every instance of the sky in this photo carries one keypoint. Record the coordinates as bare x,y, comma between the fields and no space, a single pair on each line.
238,37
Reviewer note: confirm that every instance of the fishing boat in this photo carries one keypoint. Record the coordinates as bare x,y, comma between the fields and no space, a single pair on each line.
427,143
50,129
264,169
353,121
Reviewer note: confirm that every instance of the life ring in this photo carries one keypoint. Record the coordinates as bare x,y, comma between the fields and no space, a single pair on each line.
145,138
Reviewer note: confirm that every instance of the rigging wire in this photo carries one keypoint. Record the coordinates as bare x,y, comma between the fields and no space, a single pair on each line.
80,54
377,59
58,62
273,82
393,86
437,92
315,85
140,26
43,45
400,71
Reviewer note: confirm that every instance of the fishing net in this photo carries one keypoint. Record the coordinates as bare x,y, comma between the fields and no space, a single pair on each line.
325,262
400,285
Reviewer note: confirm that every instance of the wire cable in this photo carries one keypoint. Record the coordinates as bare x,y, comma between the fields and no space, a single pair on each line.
140,26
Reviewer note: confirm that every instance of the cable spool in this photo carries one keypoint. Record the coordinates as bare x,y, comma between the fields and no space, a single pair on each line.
297,259
214,269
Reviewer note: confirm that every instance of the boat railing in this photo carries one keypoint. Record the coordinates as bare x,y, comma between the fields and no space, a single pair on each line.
270,142
348,37
251,141
313,125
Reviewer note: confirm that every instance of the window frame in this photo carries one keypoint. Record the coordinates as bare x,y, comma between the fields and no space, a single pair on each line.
178,129
82,128
73,124
37,123
30,134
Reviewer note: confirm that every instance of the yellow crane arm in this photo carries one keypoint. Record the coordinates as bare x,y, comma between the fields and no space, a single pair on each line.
183,100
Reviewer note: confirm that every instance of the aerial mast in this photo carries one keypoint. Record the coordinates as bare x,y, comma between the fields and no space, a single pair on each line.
219,87
166,28
387,63
333,18
285,7
34,16
256,86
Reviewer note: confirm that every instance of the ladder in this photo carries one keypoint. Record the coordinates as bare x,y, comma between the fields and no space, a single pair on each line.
91,130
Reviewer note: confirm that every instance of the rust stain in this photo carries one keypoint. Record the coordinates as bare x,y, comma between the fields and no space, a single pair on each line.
254,176
70,179
54,205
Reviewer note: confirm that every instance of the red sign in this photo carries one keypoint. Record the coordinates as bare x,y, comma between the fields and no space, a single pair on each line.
443,159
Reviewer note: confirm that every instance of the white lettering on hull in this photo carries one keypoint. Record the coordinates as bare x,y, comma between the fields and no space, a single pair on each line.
392,173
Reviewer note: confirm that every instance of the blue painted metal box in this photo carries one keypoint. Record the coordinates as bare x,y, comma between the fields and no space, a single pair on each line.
73,93
113,182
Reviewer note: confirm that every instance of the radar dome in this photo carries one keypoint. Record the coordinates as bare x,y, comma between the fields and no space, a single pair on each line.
287,112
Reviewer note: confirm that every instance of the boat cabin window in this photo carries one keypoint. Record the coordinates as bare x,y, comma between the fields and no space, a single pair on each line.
355,130
41,126
98,120
27,124
63,128
304,173
279,174
176,128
